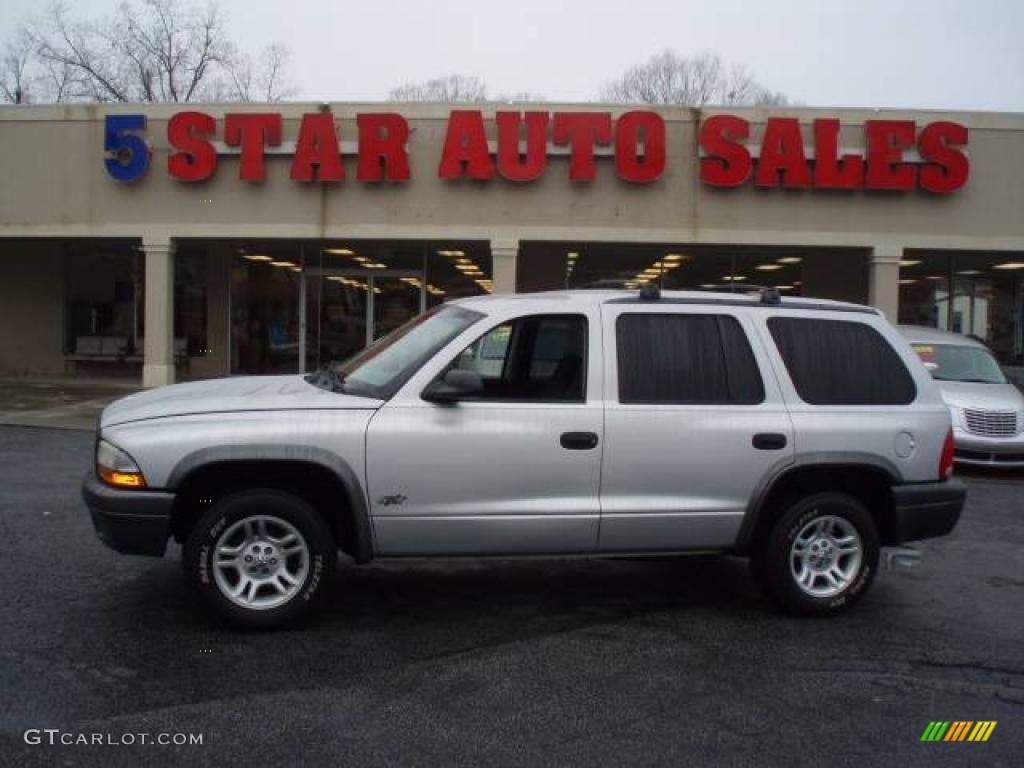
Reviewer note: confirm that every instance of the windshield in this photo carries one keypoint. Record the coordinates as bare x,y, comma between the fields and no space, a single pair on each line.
384,366
952,362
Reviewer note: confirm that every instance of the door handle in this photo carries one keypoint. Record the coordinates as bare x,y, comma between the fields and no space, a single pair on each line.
769,441
578,441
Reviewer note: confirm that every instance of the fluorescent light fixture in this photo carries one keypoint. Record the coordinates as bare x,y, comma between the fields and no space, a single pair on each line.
969,272
909,262
708,285
734,278
338,251
1009,265
572,255
790,260
907,281
673,257
282,263
935,277
295,269
257,257
769,267
784,287
374,265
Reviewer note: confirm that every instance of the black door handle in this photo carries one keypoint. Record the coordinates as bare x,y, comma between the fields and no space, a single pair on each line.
769,441
578,441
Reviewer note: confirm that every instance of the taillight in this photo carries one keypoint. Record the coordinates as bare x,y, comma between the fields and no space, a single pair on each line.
946,459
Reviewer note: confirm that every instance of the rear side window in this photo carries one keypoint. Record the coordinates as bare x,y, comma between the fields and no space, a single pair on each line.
838,362
685,359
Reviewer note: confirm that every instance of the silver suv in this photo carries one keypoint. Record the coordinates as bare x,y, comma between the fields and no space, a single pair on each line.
803,434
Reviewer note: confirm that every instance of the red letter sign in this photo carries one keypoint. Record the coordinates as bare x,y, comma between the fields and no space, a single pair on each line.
511,164
466,142
317,153
382,155
582,130
196,159
728,162
630,165
829,171
947,168
782,150
886,140
252,132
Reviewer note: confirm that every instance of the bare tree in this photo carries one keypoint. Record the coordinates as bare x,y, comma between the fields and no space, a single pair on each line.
147,51
15,70
668,78
451,88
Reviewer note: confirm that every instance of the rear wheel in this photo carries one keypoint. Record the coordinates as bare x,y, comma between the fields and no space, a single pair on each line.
821,555
260,558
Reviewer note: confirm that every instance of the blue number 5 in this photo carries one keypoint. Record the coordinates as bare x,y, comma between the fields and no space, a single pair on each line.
127,154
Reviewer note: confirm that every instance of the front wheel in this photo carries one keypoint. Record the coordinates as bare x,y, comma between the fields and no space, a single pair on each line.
821,555
260,558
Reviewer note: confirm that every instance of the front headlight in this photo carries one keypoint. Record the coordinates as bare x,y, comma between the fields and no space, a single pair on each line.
117,468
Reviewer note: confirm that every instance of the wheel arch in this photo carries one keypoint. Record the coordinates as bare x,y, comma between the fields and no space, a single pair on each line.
323,478
867,478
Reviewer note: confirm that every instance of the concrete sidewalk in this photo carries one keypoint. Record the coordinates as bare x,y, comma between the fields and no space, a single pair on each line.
60,403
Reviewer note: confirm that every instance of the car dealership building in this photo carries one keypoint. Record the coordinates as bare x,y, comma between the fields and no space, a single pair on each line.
176,242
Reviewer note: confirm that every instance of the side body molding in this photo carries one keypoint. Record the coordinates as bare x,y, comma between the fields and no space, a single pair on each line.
362,546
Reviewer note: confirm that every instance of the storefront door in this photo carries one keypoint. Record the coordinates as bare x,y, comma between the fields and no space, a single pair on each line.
347,310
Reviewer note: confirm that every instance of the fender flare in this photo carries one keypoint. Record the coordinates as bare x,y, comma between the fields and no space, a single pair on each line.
818,460
362,549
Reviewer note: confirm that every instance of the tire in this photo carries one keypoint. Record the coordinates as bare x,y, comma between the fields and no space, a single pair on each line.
820,557
278,557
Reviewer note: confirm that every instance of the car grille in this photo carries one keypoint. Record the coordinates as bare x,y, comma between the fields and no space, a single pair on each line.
991,423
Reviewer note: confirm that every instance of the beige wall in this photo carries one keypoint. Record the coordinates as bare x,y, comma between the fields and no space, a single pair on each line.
62,188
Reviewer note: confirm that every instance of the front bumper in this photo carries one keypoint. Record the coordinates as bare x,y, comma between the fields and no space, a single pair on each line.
980,451
927,510
130,522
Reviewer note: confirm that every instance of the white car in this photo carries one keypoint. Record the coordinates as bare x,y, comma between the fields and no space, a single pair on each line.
987,410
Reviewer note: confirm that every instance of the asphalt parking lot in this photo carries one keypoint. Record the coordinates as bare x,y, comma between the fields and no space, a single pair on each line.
566,662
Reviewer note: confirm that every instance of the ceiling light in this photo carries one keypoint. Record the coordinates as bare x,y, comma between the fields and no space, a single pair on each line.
1009,265
734,277
907,282
790,260
909,262
338,251
673,257
784,287
572,255
708,285
768,267
295,269
935,277
374,265
282,263
969,272
257,257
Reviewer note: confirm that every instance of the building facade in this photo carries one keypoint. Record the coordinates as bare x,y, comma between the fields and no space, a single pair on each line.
175,242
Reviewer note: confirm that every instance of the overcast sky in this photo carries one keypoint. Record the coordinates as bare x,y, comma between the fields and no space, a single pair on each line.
949,54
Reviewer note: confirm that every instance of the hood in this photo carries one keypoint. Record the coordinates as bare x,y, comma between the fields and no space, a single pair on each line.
240,393
982,397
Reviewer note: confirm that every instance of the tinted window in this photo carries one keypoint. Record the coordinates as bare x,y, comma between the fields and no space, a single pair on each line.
670,358
541,357
838,362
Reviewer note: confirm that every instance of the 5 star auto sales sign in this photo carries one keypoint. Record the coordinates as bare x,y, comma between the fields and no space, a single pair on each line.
899,155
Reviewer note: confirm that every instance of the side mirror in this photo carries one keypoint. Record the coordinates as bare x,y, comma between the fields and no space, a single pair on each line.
455,385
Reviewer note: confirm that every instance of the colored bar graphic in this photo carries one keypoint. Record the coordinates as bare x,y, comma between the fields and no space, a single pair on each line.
958,730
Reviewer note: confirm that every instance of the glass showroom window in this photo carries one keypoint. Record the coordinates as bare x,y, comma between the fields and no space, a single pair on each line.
103,286
978,294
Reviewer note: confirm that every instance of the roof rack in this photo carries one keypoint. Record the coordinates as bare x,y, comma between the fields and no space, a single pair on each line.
649,292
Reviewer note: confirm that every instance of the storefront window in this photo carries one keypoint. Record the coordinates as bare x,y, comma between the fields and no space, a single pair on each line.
987,298
331,300
190,304
103,288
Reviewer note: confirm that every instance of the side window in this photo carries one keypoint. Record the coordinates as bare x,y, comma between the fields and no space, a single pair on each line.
839,362
540,357
685,359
